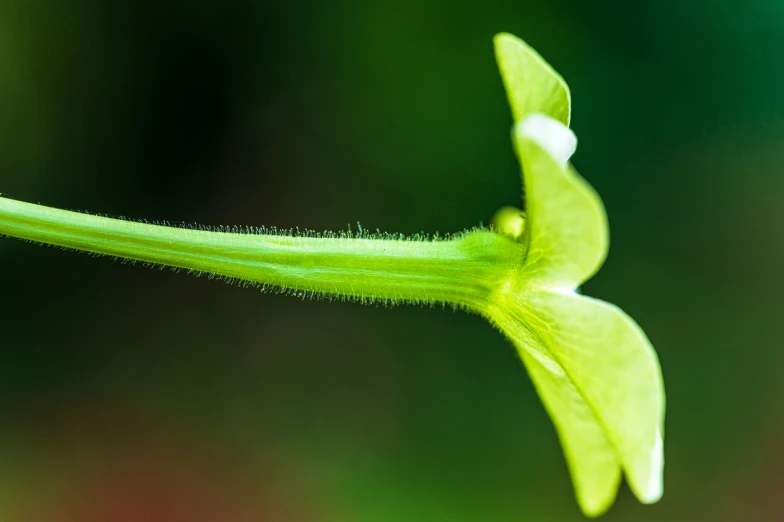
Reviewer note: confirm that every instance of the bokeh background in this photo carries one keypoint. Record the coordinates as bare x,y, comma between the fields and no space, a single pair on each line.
130,394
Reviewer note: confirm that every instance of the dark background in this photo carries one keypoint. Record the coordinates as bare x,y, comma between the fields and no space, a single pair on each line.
139,395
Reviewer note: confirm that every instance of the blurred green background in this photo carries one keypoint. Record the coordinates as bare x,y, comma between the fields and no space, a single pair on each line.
131,394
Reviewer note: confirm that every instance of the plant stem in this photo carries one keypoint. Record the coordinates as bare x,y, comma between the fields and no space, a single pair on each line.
463,271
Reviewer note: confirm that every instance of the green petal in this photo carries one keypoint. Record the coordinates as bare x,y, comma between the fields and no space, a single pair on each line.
601,383
532,85
568,234
591,458
604,390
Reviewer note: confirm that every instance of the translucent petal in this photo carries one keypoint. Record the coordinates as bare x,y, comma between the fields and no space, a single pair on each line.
568,234
532,85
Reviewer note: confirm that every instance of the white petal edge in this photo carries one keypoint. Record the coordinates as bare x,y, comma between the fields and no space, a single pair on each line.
553,136
655,484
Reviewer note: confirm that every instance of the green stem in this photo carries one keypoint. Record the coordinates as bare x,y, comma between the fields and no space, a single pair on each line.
463,271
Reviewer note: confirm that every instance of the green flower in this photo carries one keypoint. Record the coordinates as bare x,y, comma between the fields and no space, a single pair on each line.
592,365
594,368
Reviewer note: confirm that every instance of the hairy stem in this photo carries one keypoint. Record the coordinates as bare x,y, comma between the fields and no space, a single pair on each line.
463,271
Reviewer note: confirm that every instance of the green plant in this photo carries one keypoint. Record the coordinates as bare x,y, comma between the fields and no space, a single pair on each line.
593,367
